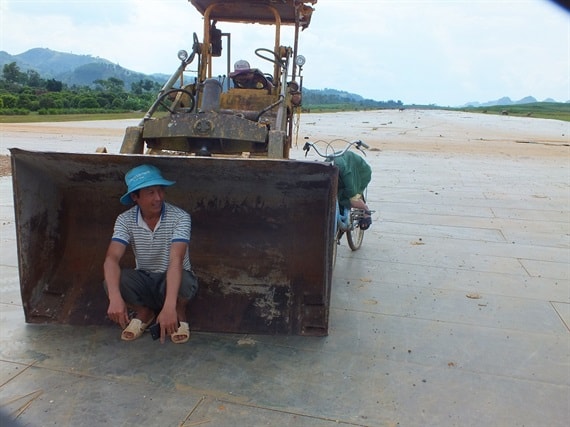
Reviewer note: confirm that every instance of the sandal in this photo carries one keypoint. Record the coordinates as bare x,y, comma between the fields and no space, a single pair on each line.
182,335
135,329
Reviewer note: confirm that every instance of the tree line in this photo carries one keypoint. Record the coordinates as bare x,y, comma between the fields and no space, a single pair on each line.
23,93
324,100
27,92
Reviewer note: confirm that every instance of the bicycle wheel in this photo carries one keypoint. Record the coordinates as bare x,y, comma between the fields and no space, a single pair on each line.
338,233
355,234
335,248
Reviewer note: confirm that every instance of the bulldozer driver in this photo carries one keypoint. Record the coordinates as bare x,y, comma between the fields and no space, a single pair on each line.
245,77
162,283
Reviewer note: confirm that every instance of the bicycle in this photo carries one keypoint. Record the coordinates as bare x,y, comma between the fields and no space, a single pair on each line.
348,220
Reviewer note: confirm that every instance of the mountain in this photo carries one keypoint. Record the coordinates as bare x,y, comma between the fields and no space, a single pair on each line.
506,101
86,74
49,63
72,69
341,94
83,70
526,100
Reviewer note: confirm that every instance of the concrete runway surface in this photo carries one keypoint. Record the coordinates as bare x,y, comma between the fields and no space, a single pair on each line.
455,311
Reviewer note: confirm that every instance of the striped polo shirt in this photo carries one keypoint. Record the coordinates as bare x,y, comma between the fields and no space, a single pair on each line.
152,248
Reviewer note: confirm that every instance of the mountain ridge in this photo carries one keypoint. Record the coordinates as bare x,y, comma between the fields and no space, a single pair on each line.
506,101
73,69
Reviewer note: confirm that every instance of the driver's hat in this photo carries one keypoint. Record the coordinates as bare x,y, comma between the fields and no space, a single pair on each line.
240,66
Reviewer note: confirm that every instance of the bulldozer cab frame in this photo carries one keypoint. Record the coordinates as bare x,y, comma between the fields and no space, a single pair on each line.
220,115
262,228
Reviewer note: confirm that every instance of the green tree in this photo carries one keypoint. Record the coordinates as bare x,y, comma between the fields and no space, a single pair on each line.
54,85
105,99
34,79
118,103
11,73
144,86
112,84
88,102
51,100
26,99
9,100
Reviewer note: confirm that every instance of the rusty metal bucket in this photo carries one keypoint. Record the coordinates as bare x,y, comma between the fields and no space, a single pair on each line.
262,237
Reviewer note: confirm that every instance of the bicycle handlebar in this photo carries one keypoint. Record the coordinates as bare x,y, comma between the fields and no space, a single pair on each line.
358,144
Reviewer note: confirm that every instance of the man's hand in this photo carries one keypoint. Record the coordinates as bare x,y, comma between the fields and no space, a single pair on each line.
168,316
168,320
118,312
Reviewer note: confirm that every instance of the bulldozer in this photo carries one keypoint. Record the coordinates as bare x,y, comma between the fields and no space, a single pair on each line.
262,223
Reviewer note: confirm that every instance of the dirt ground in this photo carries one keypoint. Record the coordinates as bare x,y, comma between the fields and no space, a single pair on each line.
384,130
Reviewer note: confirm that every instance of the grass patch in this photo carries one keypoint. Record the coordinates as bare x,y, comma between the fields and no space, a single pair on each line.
36,118
336,108
542,110
539,110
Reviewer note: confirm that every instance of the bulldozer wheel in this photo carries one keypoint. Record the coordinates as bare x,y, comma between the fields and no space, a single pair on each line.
170,95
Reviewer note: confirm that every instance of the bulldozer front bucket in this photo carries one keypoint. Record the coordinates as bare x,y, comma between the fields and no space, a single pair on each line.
262,237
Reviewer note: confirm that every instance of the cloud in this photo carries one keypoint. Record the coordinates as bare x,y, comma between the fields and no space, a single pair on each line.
418,51
442,51
142,35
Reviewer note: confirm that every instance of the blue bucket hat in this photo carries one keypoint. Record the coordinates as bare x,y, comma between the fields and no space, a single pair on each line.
141,177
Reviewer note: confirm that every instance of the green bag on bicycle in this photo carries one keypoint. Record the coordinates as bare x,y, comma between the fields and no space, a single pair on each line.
354,176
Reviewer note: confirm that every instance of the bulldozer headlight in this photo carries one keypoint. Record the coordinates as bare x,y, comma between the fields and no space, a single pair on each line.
182,55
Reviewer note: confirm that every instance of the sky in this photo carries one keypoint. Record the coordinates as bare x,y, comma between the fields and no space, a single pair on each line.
444,52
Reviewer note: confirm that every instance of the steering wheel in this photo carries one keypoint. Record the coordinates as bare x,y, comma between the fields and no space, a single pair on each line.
195,48
195,43
168,100
274,60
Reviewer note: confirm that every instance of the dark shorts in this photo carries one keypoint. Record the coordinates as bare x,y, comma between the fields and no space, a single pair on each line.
148,289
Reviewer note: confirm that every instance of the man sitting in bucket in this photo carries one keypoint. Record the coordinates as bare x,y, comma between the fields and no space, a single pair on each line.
162,282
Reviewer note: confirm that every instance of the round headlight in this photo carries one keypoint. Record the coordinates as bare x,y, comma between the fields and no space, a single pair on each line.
300,60
182,55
